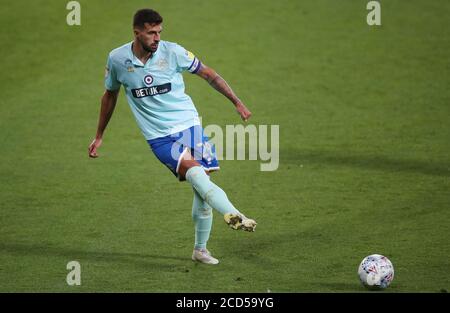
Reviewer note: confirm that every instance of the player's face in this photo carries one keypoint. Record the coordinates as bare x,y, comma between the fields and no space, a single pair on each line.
149,36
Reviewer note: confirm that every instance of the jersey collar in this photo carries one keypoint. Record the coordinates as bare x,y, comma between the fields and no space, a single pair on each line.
135,60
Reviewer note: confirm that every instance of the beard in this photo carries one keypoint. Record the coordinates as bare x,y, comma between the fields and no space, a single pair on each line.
151,49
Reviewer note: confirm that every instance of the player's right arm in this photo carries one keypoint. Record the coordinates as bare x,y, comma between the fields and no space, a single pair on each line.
186,60
108,103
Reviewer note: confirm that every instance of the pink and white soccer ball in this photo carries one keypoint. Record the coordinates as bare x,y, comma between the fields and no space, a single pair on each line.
376,272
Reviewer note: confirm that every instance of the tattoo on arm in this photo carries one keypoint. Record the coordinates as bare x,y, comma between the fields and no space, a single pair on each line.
221,85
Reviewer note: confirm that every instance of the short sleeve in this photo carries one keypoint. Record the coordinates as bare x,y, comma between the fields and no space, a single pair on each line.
111,82
186,60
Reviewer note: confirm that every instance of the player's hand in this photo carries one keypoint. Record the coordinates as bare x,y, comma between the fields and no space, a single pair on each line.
96,143
243,111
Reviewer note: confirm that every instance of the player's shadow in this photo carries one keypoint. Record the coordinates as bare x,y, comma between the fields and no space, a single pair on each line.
298,157
147,261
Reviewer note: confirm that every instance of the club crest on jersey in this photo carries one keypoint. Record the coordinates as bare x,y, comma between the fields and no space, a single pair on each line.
162,64
129,65
148,80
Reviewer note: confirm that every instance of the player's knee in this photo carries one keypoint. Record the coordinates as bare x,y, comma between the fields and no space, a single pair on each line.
202,213
197,177
186,164
194,170
205,212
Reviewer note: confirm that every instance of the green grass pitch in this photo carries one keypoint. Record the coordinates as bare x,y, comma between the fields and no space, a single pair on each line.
364,115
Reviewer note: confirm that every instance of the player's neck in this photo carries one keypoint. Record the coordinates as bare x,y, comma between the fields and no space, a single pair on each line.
140,53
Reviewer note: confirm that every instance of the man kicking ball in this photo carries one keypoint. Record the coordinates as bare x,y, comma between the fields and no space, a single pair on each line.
150,71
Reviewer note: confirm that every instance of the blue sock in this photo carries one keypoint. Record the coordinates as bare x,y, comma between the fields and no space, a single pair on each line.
202,216
208,191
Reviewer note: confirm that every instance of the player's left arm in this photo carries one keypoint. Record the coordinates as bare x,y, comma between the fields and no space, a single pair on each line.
216,81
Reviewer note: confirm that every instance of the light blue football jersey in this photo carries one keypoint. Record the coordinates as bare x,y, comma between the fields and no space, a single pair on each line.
155,90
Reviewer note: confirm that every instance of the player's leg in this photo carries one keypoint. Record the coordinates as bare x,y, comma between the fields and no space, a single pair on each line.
169,152
202,216
192,171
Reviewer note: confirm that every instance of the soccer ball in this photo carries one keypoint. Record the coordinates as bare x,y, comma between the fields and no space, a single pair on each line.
376,272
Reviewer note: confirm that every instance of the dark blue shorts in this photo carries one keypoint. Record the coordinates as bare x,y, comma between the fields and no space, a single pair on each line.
171,148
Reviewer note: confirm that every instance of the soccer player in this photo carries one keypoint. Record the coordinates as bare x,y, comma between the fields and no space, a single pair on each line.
150,70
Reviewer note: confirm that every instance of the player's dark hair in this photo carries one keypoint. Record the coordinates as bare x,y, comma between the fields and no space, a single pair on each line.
146,16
